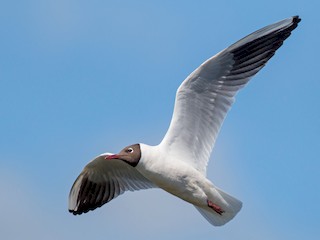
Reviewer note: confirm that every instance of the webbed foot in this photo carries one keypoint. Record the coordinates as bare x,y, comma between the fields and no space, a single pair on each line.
215,207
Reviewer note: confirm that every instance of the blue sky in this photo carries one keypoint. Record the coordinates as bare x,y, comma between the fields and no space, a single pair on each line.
80,78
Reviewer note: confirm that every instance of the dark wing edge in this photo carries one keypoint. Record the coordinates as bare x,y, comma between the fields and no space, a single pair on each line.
101,181
251,56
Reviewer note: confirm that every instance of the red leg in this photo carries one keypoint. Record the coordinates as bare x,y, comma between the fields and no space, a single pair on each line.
215,207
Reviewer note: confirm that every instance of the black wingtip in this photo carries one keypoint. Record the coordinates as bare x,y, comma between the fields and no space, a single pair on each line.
296,19
74,212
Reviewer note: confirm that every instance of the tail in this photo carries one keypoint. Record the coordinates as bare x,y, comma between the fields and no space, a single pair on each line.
231,207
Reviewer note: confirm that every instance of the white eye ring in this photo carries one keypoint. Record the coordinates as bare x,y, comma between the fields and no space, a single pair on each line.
129,150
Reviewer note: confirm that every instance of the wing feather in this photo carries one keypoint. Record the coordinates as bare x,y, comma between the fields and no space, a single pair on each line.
101,181
206,95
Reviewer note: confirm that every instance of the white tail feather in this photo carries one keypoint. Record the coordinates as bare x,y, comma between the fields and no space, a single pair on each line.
231,209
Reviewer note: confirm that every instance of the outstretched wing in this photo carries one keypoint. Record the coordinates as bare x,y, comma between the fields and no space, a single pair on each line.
204,97
101,181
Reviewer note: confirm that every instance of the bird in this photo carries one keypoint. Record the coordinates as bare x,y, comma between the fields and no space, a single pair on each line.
179,162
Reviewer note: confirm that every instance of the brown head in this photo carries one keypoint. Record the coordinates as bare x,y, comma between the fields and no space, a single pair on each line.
130,155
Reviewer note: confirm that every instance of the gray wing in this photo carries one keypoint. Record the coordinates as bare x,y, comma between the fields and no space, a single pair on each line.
101,181
204,97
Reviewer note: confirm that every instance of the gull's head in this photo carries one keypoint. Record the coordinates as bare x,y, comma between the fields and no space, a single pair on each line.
130,154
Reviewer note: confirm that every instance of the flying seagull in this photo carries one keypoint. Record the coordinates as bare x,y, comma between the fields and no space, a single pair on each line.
178,164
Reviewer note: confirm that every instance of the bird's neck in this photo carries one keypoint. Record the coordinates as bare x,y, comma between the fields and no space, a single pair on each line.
149,156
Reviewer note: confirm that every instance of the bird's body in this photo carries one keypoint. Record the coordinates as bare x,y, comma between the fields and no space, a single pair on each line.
173,175
183,180
178,164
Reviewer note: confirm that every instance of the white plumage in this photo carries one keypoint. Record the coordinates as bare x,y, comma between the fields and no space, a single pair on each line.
178,164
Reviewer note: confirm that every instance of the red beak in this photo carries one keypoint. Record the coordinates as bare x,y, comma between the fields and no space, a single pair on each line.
115,156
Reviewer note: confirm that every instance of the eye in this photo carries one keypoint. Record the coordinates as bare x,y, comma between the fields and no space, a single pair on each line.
129,150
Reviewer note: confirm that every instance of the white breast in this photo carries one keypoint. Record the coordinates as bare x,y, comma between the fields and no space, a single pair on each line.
174,176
